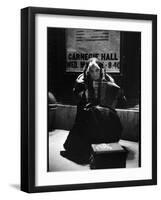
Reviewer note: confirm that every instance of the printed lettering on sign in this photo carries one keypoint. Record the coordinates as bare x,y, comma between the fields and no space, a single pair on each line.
82,44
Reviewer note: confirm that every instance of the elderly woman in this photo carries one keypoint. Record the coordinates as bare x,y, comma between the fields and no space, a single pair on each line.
96,120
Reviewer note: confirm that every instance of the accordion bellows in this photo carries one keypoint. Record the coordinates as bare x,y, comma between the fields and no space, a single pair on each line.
108,94
106,91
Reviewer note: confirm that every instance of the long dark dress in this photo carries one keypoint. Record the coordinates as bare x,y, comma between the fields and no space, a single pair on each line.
93,124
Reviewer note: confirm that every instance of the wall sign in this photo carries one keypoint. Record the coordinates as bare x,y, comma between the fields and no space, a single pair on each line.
82,44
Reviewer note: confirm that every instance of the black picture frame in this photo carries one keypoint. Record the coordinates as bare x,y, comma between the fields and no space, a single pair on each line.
28,104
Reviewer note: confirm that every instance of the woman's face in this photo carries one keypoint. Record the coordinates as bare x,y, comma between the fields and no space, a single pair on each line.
94,71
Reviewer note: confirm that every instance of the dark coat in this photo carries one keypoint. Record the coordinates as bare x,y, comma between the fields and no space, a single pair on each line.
93,124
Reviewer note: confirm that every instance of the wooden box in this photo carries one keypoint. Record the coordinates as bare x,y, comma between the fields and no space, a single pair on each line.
105,156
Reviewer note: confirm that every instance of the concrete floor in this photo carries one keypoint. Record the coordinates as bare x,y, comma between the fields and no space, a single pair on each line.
59,163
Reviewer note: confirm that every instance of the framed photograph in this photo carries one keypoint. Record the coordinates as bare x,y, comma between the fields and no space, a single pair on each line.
88,99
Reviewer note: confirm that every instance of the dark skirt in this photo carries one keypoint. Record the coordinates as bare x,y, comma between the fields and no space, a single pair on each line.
93,125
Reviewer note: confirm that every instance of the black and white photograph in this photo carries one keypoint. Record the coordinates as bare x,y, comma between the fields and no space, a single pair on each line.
89,89
80,100
94,95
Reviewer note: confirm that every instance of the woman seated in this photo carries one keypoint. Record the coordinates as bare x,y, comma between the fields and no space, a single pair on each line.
96,120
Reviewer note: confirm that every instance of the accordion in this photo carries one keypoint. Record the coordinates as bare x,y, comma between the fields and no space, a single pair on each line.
107,155
107,93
